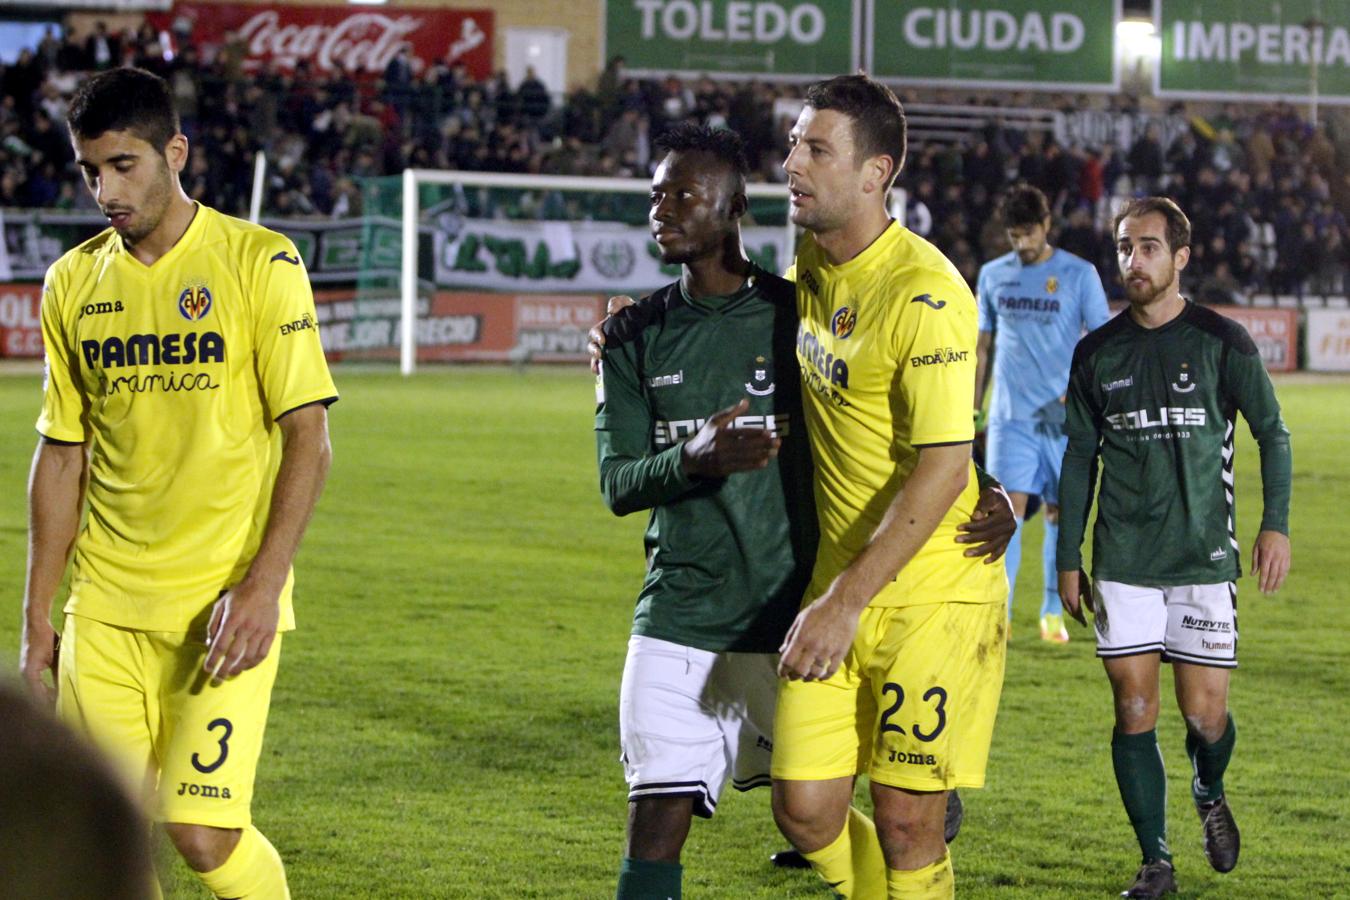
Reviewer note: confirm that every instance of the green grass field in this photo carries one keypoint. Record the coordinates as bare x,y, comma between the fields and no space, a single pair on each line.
445,721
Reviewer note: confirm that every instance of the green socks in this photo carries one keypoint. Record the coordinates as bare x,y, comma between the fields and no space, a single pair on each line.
640,879
1143,789
1210,761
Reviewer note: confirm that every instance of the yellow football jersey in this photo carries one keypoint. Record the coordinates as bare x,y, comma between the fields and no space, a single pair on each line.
886,347
176,374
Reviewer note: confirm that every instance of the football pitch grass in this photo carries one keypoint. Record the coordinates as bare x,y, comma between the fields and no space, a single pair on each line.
445,720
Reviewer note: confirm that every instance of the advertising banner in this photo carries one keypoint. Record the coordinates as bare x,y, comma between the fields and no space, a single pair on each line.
1329,340
1018,44
460,326
571,256
1256,49
1275,332
342,40
764,38
20,327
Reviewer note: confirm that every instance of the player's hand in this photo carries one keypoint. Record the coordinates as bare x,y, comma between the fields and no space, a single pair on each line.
818,641
719,448
1075,592
595,345
242,628
1270,559
38,653
991,526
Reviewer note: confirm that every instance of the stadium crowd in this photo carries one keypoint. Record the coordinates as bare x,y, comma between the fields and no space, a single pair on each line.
1267,190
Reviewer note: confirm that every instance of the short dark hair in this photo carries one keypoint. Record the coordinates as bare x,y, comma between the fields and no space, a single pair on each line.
131,100
722,144
1178,226
1023,205
878,118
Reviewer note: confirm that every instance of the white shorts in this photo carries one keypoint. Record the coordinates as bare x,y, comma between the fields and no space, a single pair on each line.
1191,623
689,719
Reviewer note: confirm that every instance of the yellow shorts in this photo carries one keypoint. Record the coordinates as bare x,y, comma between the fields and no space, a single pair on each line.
143,698
912,706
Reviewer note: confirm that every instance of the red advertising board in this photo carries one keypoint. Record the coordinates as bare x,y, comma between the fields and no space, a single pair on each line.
351,40
20,326
1275,332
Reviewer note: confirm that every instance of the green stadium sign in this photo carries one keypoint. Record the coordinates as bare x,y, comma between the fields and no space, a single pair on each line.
1020,44
764,38
1262,49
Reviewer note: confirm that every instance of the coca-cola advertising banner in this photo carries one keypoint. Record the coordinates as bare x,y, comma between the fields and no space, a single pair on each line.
343,39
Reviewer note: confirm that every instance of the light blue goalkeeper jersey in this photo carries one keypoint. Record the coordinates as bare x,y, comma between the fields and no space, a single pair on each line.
1037,314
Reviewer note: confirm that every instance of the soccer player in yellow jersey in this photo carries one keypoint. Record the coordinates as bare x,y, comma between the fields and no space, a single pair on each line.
895,663
185,409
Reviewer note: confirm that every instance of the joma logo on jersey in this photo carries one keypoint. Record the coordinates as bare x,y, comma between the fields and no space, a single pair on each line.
1166,415
912,759
940,357
202,790
303,323
101,308
671,432
195,302
810,281
154,349
830,368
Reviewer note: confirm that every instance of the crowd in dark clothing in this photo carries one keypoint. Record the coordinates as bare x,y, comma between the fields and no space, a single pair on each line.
1264,189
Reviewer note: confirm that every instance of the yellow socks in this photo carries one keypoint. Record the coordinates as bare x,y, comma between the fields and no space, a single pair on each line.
253,871
932,882
852,865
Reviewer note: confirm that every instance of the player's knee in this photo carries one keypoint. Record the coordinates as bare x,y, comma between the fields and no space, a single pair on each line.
807,824
1208,726
202,847
1136,712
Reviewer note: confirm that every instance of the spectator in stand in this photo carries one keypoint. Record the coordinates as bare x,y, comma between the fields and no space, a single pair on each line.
1146,161
534,100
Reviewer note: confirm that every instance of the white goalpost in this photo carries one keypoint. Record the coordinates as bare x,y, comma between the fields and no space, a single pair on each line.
414,179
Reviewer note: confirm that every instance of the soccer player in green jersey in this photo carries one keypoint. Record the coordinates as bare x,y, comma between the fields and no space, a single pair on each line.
184,419
700,421
1153,397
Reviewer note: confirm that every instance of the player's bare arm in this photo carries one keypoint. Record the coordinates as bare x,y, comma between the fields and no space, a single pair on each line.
1270,560
1075,592
823,631
55,499
984,348
244,620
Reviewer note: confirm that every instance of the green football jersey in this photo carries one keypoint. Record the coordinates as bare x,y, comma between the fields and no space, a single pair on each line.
1157,407
727,559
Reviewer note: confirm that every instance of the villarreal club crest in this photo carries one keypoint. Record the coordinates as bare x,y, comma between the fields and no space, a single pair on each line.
844,320
194,302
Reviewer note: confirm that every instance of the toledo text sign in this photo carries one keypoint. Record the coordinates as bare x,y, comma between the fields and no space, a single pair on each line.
1068,44
766,38
1262,49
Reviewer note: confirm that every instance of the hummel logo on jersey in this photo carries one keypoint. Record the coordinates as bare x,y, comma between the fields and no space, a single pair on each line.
810,281
98,309
1167,415
1216,555
293,260
1116,385
657,381
928,299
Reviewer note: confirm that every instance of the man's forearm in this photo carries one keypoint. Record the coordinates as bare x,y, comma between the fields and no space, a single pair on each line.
306,456
982,352
929,491
55,497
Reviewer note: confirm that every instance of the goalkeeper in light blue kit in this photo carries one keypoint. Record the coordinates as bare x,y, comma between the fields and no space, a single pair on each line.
1034,304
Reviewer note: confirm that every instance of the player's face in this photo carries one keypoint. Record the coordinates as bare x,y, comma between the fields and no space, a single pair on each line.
1148,267
1030,241
131,181
825,177
692,207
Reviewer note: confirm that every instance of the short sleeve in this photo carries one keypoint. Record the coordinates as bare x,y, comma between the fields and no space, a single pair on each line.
987,315
935,347
65,408
288,355
1096,311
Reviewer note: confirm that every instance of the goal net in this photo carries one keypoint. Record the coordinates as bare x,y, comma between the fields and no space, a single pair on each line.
490,267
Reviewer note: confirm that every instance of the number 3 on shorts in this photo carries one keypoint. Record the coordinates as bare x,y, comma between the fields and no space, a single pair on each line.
207,769
891,687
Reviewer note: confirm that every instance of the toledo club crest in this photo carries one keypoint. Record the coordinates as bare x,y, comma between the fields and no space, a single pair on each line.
194,302
1186,385
843,321
761,378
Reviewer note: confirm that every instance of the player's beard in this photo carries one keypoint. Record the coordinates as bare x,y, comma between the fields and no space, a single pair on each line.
146,216
1145,294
